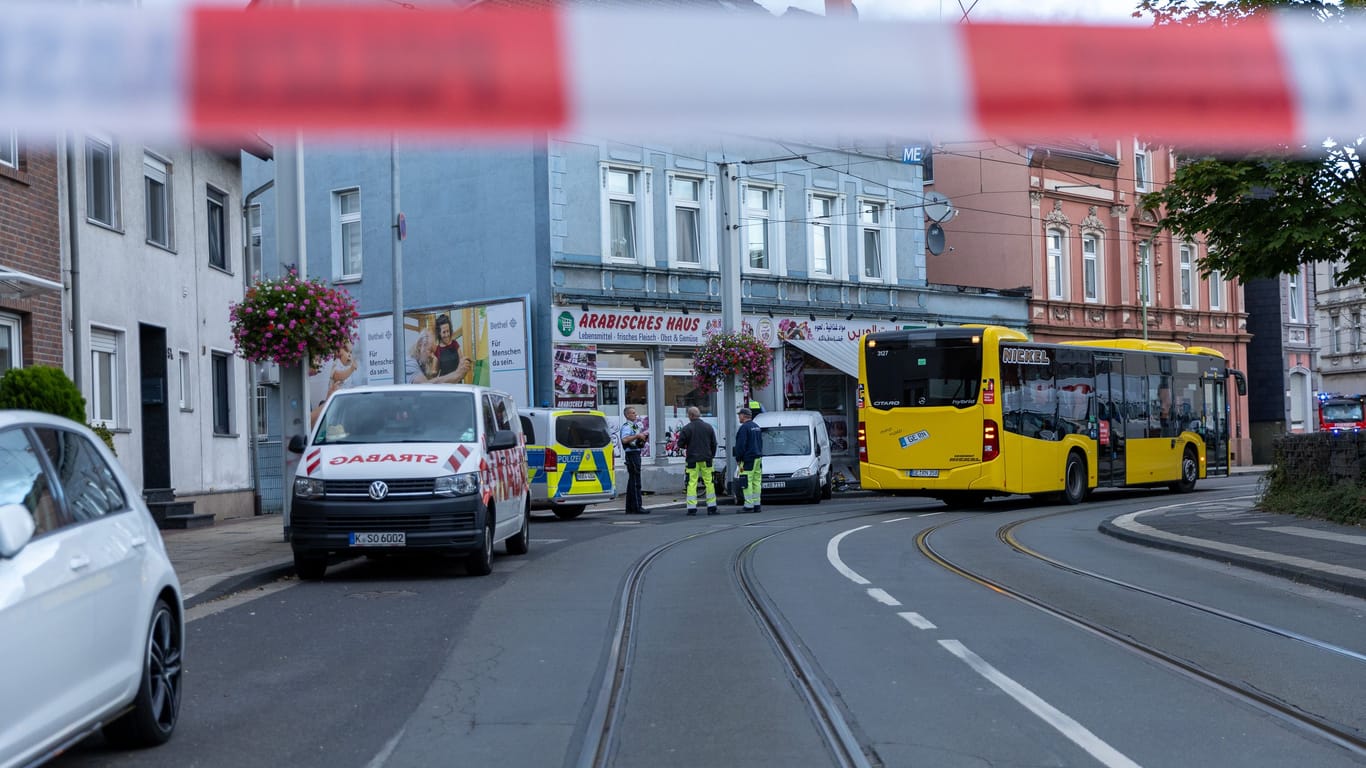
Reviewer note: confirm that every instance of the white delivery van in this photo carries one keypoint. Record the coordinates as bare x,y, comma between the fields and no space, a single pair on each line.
796,455
408,469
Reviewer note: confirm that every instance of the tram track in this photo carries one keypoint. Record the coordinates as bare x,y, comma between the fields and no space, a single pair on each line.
1287,712
602,732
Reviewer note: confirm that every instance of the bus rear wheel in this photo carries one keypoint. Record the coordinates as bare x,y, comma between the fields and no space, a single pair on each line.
963,499
1074,480
1190,472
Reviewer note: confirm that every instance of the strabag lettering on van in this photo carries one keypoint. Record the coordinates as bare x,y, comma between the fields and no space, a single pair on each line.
413,458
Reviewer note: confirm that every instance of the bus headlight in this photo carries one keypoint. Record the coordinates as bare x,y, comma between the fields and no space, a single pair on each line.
308,488
457,485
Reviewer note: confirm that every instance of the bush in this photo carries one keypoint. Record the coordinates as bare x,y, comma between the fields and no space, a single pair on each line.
1320,474
47,390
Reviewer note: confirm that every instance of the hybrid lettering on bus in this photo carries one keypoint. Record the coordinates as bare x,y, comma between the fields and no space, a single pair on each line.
968,412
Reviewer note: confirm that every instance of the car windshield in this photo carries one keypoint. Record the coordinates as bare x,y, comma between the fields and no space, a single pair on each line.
786,441
388,417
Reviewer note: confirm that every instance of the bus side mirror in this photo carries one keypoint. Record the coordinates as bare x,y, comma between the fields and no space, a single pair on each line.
1239,381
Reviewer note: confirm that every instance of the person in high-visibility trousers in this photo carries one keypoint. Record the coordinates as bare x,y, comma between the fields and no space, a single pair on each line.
748,454
698,441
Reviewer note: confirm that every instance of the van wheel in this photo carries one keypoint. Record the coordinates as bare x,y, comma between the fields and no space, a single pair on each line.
520,542
816,493
310,566
568,511
827,490
156,708
1190,472
1074,480
481,563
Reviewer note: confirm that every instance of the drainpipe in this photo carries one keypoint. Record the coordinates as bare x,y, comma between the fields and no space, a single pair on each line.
74,268
251,398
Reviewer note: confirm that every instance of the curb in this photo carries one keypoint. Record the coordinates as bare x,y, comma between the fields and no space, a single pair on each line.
243,581
1309,576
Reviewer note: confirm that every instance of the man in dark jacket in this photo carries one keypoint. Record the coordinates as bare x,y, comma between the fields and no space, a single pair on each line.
748,450
698,441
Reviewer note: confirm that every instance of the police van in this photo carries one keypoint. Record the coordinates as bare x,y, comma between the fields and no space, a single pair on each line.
408,469
569,459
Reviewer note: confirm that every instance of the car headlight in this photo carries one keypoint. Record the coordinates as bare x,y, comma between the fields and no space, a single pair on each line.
308,487
803,472
457,485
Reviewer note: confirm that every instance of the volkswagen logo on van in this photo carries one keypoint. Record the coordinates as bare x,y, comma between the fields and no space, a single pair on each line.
378,490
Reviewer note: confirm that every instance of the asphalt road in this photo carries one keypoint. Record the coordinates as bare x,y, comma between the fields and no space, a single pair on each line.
398,664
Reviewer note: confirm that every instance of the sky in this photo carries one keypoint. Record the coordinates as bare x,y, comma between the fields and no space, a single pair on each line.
1087,11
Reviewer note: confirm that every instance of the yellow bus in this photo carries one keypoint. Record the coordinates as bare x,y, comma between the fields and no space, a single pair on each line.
968,412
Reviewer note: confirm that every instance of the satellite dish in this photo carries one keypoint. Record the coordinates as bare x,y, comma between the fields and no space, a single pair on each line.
934,239
938,207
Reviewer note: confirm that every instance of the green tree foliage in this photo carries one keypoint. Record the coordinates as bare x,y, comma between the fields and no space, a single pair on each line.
42,388
1262,215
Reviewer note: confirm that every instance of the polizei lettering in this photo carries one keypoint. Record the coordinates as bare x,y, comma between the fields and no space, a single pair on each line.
1024,356
412,458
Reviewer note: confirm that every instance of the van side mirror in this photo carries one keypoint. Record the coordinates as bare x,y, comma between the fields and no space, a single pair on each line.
502,440
297,444
818,449
16,529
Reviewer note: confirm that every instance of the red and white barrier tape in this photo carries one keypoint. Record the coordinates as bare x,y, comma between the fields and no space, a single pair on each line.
212,72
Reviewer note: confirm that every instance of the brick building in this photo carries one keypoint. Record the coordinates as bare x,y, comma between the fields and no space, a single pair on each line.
30,255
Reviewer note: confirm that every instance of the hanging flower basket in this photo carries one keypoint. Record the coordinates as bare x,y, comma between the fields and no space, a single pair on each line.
735,353
282,319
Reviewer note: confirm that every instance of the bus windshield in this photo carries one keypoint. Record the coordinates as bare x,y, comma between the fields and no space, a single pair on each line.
923,373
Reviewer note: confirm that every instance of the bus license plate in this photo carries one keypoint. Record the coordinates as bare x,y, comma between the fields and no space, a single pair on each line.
379,539
924,473
585,477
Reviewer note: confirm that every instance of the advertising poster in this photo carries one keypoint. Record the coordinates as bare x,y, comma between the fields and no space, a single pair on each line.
485,344
575,369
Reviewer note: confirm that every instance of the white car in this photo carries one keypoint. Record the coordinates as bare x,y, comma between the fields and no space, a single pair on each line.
92,628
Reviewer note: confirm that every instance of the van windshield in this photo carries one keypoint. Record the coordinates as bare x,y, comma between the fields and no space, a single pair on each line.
388,417
786,441
582,430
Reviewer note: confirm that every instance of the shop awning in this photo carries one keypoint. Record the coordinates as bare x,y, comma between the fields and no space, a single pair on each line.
21,285
841,354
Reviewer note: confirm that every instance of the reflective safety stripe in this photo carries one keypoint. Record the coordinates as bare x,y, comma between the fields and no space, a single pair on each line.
570,468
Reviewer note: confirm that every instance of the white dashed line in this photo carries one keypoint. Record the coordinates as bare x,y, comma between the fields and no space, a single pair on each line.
883,597
916,620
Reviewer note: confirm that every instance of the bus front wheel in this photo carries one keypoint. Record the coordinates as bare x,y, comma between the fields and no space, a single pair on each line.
1074,480
1190,472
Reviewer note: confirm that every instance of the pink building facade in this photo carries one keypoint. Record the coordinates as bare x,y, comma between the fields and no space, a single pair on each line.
1065,222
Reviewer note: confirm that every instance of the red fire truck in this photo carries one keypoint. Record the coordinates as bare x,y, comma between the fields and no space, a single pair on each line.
1341,413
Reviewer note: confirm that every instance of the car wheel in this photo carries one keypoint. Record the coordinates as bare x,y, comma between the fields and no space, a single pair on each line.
520,542
816,494
568,511
827,491
481,563
1074,480
156,707
1190,472
310,566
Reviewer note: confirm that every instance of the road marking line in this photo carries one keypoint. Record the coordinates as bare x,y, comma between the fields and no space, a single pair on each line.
916,620
1074,731
380,759
832,553
883,597
1310,533
897,520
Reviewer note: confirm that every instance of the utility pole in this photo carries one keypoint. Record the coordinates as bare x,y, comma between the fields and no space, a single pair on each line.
294,406
400,232
729,266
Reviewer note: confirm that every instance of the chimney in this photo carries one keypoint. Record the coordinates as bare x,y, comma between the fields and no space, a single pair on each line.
841,8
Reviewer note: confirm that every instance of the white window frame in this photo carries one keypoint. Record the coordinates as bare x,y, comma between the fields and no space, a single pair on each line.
229,397
885,228
1092,263
106,397
1356,331
1295,298
1056,262
214,196
1143,168
772,218
642,212
340,223
1335,341
157,173
9,148
254,265
1146,272
1185,289
186,383
1216,290
835,231
15,326
109,170
706,218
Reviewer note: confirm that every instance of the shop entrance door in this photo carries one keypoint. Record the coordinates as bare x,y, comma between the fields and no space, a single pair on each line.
615,393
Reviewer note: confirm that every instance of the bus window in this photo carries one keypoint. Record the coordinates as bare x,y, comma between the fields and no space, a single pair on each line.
1136,397
1040,402
1076,391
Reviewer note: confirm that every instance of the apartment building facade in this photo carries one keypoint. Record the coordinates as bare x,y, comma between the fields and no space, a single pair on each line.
30,254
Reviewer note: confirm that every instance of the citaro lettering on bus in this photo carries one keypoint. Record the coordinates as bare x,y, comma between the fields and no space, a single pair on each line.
1024,356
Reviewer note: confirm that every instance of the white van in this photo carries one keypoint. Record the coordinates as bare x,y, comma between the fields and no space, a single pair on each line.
408,469
796,455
